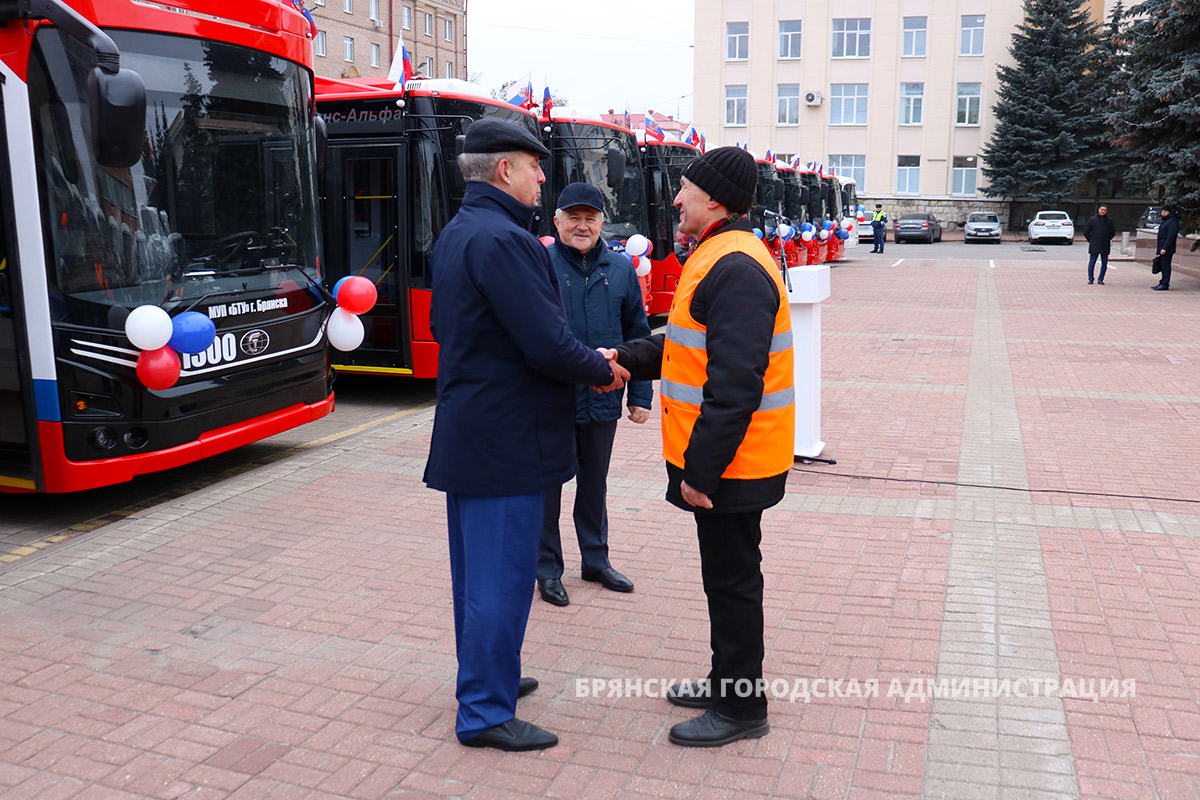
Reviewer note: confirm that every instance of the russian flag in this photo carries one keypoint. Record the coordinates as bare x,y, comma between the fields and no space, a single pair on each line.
547,103
401,70
299,6
692,137
703,140
628,118
653,131
524,96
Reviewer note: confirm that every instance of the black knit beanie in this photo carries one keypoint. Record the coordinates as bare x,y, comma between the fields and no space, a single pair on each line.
728,174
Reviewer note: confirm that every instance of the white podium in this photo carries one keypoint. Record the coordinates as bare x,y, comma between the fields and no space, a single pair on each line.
809,285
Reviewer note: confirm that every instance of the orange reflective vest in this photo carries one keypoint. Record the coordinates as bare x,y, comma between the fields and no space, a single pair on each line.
767,448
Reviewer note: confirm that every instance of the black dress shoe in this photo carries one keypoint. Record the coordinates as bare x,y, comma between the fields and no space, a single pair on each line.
610,579
690,694
552,592
526,686
1099,282
713,729
1090,281
1161,288
514,736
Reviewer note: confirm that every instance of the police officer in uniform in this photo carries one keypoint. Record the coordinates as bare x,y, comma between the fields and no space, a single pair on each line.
879,227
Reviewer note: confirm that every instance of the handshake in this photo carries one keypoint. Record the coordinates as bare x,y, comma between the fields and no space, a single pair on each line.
620,374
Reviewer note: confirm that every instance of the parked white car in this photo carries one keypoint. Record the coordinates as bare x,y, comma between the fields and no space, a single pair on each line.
1051,225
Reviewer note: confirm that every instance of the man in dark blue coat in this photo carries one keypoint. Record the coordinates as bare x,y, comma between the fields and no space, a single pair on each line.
502,432
603,301
1168,233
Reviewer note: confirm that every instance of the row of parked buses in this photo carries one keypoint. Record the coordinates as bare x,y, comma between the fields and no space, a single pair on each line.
390,184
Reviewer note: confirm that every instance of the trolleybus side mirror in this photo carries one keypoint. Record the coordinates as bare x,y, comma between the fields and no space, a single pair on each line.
460,145
616,168
118,104
805,195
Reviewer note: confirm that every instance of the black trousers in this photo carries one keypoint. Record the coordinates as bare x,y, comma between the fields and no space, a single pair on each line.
731,568
593,449
1165,263
879,235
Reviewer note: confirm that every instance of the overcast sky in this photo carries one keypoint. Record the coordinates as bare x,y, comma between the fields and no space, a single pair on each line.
597,55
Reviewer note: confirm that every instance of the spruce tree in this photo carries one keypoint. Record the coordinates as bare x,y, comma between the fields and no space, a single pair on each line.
1047,126
1109,165
1160,110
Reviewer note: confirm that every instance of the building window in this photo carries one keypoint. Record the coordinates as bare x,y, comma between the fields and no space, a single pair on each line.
374,55
737,41
406,18
908,174
789,104
347,48
972,36
965,175
429,24
449,70
448,30
735,105
848,104
852,38
374,10
319,43
319,3
912,96
428,73
850,166
348,6
969,97
789,38
914,36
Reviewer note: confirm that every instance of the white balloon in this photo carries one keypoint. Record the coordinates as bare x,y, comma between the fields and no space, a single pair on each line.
823,234
148,327
637,245
345,330
785,232
643,268
846,223
806,236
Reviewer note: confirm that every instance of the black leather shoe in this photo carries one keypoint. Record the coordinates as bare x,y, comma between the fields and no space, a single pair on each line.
713,729
526,686
610,579
552,592
1090,281
514,736
690,694
1100,282
1161,288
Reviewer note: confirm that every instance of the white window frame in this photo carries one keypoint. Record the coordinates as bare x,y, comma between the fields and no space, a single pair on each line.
373,10
960,176
735,104
449,72
914,42
971,39
319,2
912,104
319,44
737,42
374,54
853,165
852,96
348,49
790,42
406,17
348,6
787,104
428,24
908,176
851,30
448,29
966,103
428,67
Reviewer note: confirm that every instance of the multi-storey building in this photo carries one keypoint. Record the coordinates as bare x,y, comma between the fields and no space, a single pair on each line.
359,37
897,94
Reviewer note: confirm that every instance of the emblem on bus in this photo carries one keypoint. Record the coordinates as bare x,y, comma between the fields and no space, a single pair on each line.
255,342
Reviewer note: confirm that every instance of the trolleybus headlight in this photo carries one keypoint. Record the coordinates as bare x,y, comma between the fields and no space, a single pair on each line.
136,438
103,438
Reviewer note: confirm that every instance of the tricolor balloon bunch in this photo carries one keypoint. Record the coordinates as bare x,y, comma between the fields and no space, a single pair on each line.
785,232
826,227
637,247
807,231
161,338
861,213
354,295
847,225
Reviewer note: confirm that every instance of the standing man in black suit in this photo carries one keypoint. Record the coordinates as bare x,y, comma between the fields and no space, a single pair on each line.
1168,233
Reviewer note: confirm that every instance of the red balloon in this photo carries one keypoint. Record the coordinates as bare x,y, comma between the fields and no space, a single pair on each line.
357,295
635,260
547,240
158,369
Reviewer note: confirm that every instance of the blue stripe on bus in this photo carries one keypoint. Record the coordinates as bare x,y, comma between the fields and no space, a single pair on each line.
45,395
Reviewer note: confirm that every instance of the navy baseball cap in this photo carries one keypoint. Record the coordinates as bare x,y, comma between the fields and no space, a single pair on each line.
501,136
581,194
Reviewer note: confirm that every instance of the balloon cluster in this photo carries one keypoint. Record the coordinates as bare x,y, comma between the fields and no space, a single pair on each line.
354,295
161,338
758,233
807,231
786,232
638,247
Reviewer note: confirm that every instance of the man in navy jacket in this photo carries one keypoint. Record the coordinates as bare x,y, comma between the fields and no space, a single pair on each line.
603,301
1168,233
502,432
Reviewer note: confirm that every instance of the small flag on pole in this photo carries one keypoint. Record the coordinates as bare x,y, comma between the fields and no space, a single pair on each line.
524,95
628,118
401,70
653,131
547,103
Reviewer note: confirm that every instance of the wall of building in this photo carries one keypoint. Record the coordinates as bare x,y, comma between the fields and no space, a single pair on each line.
443,47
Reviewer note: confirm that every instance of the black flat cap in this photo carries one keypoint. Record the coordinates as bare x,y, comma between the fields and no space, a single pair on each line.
581,194
500,136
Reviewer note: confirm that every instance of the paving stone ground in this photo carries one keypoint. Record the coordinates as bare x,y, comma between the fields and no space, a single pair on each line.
1012,526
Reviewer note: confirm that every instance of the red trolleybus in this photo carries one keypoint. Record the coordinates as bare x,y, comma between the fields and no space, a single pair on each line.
154,158
662,166
389,185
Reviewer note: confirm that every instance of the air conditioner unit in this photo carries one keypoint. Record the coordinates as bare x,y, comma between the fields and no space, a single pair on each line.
378,23
812,98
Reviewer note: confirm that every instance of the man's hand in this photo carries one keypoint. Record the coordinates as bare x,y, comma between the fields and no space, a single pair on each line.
639,415
620,374
694,498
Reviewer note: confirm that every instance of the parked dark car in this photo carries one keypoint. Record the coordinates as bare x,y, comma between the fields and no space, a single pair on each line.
1151,219
917,227
982,226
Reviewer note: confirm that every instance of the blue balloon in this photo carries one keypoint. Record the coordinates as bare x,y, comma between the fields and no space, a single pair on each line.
826,225
192,332
806,227
758,232
338,285
861,207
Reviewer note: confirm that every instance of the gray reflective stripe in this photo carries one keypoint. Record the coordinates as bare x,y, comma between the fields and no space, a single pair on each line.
687,337
693,395
781,342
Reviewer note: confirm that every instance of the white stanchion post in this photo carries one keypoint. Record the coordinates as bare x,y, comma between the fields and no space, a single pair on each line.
809,286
